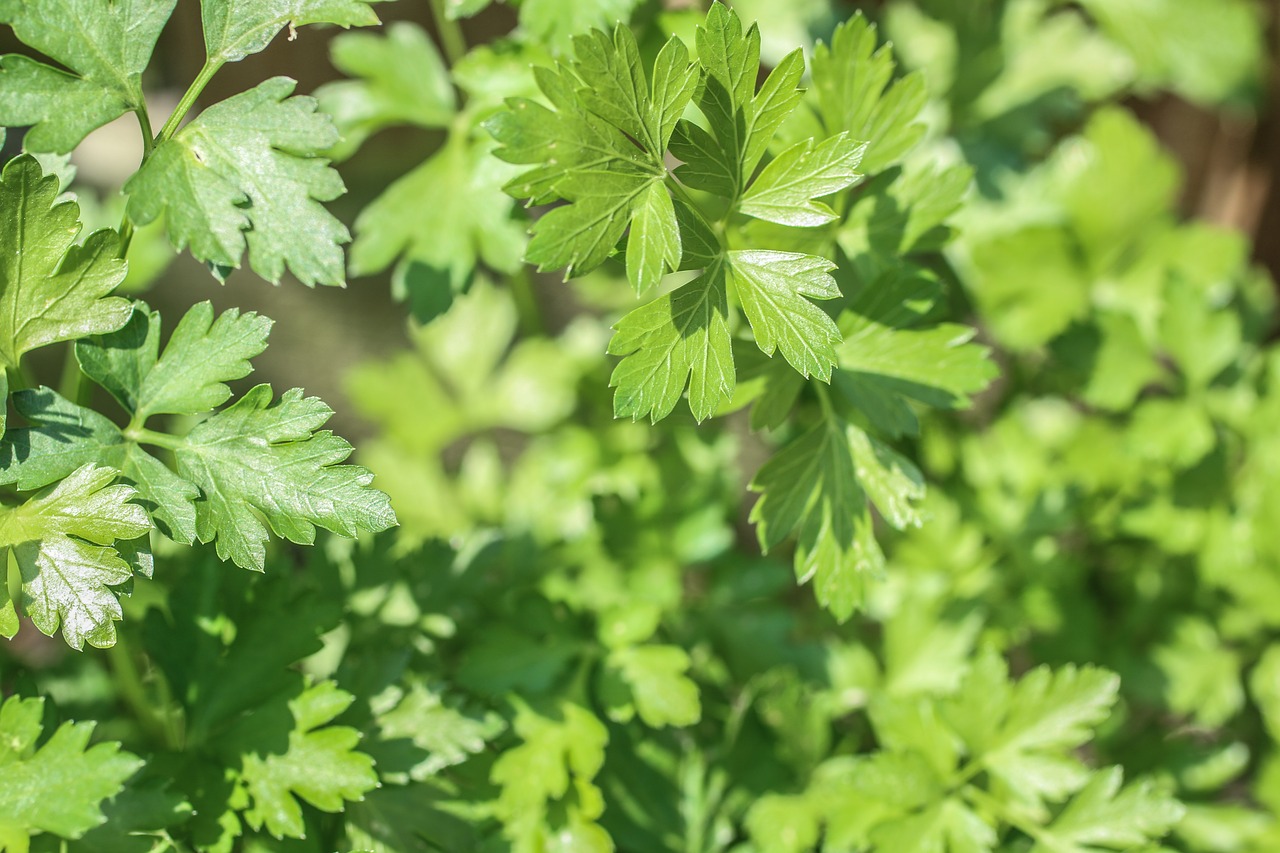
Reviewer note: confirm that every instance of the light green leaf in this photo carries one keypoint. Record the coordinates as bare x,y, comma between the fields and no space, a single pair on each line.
906,215
245,173
398,78
554,23
1024,317
202,354
443,734
442,219
259,463
850,78
321,765
1024,733
936,365
772,287
61,539
234,29
106,51
554,766
661,692
59,787
785,190
50,289
811,487
1206,50
680,338
1105,817
65,436
653,245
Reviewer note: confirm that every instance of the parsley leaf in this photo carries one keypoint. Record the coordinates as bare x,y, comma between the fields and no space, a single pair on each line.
771,287
50,289
398,78
259,463
547,780
1103,816
202,354
234,29
584,150
785,190
814,487
62,541
59,786
678,338
555,22
320,765
106,52
851,80
245,173
64,437
1022,734
654,685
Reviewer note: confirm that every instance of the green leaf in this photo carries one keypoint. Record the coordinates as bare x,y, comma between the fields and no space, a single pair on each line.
785,190
812,487
61,540
59,787
740,120
245,173
555,22
1024,317
1105,817
234,29
1206,50
259,463
65,436
937,365
50,289
661,692
320,765
202,354
555,765
680,338
398,78
653,245
444,217
771,287
850,78
105,50
904,211
1023,734
443,734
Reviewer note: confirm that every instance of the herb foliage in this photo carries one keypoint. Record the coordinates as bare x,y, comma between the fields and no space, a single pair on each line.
915,325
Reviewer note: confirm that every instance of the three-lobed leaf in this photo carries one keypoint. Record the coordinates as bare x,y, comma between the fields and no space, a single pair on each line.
62,541
245,174
56,786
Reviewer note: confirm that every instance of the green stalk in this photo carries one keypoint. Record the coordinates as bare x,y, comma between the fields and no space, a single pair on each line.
129,682
451,38
188,101
141,435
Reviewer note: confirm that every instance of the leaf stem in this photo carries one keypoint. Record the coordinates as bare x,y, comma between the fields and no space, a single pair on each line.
70,385
141,435
188,100
451,38
148,134
129,681
18,378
